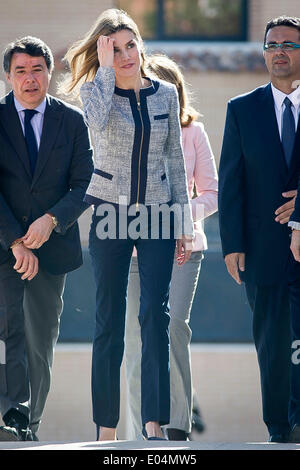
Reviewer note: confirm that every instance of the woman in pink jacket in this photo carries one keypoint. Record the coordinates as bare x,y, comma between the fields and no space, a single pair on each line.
202,184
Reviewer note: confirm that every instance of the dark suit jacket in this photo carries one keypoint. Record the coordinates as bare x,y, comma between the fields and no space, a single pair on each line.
252,177
61,177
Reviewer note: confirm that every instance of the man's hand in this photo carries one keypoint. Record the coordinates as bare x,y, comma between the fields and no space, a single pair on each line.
38,232
184,249
234,263
26,262
295,244
284,212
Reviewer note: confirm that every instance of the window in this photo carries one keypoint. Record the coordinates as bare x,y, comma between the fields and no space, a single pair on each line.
222,20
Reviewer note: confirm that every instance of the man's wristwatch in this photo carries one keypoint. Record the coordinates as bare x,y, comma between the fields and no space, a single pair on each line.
18,241
54,219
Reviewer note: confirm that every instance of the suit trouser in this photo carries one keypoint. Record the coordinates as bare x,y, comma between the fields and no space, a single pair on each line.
29,326
272,336
111,260
182,290
294,405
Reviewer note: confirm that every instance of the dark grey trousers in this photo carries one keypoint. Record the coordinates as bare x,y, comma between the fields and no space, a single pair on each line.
182,290
272,336
29,327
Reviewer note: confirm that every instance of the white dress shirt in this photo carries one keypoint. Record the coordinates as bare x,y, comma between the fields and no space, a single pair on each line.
36,121
279,98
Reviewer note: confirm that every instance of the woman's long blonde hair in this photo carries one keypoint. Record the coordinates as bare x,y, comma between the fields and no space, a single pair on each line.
82,56
166,69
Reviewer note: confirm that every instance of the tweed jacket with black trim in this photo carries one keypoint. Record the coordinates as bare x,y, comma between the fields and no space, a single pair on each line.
138,148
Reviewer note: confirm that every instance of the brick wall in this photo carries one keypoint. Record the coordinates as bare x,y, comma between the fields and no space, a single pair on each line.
57,22
261,11
60,22
210,93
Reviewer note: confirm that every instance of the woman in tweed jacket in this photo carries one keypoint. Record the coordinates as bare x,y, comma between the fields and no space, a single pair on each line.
203,191
139,166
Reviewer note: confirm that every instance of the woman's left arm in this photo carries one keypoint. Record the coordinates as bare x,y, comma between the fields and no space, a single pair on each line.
178,182
205,176
176,166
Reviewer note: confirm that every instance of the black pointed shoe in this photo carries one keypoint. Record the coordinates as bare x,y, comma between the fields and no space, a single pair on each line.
279,438
153,438
295,434
177,435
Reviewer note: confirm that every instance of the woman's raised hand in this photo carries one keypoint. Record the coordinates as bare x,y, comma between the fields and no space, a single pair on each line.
105,49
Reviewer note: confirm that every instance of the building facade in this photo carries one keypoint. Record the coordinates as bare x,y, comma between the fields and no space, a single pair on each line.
215,70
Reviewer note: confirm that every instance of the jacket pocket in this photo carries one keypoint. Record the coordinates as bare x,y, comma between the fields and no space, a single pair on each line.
103,173
161,116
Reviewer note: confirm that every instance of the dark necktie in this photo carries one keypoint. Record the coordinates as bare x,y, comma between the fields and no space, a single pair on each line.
288,131
30,138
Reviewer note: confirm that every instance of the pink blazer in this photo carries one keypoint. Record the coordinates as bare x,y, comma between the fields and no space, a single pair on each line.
202,179
201,175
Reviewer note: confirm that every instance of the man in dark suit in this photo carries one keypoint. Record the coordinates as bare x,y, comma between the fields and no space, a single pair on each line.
258,172
45,168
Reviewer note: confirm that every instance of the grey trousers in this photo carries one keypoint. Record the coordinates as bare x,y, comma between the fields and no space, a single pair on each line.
182,290
29,327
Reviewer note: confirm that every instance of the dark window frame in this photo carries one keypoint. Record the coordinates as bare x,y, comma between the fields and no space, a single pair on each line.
161,36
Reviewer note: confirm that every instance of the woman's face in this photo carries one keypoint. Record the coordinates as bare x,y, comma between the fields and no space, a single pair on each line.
127,57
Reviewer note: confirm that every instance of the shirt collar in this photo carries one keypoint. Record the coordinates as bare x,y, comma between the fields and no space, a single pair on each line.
279,97
40,108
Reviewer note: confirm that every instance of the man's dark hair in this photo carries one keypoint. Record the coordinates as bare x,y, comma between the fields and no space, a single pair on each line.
290,21
32,46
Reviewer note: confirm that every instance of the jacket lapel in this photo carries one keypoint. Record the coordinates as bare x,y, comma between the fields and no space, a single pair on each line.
295,162
51,126
12,126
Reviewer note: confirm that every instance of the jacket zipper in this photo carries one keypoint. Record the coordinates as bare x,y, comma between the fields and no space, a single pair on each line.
140,156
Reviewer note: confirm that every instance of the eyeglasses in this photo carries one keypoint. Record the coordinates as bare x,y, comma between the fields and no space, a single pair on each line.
285,46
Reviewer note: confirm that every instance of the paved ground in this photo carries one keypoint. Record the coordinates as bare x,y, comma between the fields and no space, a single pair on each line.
226,380
147,446
225,377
